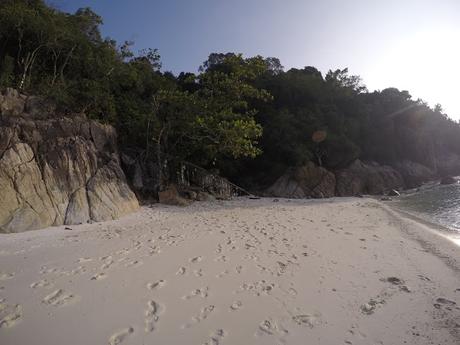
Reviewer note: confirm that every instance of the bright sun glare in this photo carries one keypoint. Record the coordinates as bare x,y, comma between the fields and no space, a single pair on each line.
426,64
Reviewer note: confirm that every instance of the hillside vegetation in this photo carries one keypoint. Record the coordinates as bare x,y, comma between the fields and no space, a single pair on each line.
246,118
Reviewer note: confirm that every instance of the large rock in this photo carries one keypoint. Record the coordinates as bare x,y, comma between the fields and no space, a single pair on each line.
367,178
448,180
77,211
171,196
448,164
57,170
12,102
188,178
25,202
304,182
414,174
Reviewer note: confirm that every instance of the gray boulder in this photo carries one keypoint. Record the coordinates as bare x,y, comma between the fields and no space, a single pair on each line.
58,170
304,182
448,164
12,102
171,196
448,180
367,178
414,174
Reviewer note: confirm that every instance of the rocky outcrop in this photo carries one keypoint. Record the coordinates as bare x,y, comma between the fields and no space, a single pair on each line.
414,174
191,181
367,178
304,182
448,180
171,196
57,170
448,163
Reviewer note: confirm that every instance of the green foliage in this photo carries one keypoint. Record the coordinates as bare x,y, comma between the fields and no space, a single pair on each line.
58,55
64,57
210,118
246,117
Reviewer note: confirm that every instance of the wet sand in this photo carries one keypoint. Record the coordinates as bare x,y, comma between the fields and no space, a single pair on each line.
341,271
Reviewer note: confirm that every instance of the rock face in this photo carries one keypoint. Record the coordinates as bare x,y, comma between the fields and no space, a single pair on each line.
171,196
448,180
367,178
57,170
448,164
304,182
188,179
414,174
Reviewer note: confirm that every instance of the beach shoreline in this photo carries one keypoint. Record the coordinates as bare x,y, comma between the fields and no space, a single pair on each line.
428,231
341,270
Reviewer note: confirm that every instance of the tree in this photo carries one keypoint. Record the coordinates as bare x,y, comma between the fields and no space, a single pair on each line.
211,119
23,34
228,121
341,79
245,116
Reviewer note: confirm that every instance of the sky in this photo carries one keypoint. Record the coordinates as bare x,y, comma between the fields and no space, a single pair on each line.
413,45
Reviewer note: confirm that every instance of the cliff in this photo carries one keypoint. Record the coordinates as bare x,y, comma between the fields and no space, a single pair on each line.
57,170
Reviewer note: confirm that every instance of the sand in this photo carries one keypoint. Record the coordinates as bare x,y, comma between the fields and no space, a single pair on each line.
341,271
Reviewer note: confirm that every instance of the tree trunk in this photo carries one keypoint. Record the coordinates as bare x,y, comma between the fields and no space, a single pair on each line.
56,58
28,62
64,65
159,160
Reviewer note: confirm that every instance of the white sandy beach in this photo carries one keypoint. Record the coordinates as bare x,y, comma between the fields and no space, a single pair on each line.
342,271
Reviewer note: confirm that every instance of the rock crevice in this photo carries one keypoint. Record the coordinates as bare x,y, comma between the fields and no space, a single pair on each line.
57,170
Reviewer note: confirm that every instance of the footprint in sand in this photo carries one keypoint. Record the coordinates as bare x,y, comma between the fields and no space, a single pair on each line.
134,263
257,288
270,327
181,271
82,260
121,335
201,292
58,298
221,258
157,285
99,276
397,282
306,320
216,337
198,273
222,274
152,250
203,315
152,315
369,307
10,315
6,276
292,291
108,261
40,284
236,305
137,245
78,270
444,301
46,270
393,280
196,259
107,265
124,251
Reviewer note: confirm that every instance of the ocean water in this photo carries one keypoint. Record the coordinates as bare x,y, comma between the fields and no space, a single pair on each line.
435,203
